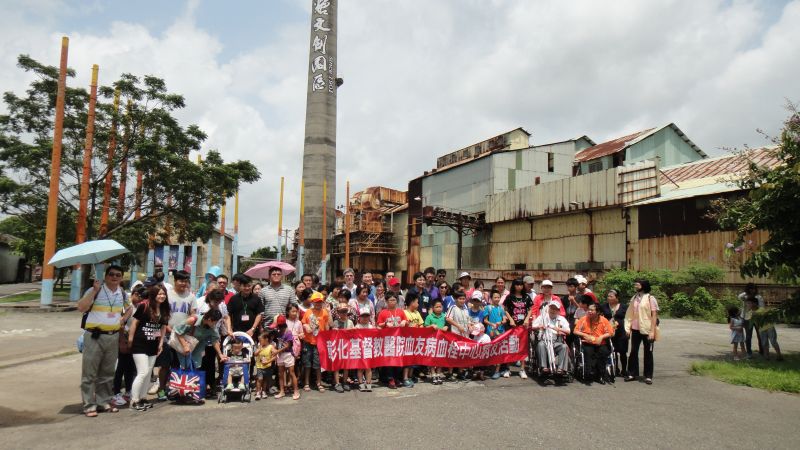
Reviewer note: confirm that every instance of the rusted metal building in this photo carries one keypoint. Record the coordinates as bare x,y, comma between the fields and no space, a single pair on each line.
376,217
637,216
461,183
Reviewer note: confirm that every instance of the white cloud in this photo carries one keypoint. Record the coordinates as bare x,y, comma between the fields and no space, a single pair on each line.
423,78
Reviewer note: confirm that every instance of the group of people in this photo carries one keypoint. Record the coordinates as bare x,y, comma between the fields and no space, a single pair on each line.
163,326
743,327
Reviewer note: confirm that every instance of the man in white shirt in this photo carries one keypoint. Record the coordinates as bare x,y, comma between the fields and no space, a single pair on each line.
552,328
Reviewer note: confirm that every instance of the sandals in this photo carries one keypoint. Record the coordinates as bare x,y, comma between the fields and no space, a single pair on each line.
296,396
307,388
108,408
91,413
321,388
280,395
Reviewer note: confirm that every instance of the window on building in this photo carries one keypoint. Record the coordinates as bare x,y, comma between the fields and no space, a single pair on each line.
595,166
551,162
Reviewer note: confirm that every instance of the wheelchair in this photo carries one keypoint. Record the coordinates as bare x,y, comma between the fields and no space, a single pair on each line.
532,363
610,367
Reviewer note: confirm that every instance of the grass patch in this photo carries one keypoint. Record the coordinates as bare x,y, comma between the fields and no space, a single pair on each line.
771,375
34,295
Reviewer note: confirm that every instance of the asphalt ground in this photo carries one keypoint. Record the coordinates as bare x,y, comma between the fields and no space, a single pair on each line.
40,407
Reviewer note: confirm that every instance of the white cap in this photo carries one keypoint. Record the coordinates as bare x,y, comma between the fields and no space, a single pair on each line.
547,283
581,279
464,274
476,295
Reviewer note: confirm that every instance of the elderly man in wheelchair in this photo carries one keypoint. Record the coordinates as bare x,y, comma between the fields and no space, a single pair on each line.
551,351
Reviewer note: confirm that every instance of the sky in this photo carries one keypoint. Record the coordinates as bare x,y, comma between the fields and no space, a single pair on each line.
425,77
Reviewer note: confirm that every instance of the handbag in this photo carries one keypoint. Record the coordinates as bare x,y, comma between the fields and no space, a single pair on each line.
176,344
187,383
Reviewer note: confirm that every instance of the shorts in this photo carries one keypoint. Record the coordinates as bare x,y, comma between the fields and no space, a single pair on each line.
286,359
167,358
310,356
262,374
236,371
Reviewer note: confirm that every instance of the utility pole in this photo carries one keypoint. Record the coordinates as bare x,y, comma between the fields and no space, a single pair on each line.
347,226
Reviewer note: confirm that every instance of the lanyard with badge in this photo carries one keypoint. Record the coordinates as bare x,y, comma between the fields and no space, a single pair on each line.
245,315
111,300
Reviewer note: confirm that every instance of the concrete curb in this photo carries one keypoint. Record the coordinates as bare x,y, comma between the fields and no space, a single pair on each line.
41,357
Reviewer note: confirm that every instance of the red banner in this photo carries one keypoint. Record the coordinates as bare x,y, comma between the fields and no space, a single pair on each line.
407,346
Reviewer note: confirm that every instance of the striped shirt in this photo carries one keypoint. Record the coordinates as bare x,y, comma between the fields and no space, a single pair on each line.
275,301
106,310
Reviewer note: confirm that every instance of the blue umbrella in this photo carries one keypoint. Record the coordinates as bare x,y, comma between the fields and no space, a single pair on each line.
91,252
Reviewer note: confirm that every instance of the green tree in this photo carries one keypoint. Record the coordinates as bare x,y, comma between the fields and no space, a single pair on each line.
770,204
178,198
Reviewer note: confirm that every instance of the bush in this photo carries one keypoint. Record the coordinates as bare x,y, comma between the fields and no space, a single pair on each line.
681,305
699,274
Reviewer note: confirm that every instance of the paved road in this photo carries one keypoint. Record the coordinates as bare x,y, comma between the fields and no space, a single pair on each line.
678,410
18,288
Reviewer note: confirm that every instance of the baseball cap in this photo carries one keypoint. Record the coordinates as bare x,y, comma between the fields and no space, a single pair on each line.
365,313
581,279
279,320
342,308
528,279
317,297
477,295
464,275
393,281
150,281
547,283
554,305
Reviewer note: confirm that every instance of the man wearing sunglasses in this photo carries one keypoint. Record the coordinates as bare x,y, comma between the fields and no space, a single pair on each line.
103,306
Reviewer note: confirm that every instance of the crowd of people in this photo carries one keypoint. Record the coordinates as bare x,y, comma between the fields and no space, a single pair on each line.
134,339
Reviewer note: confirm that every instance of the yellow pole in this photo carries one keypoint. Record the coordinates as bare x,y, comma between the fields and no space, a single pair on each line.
280,223
347,227
48,271
302,240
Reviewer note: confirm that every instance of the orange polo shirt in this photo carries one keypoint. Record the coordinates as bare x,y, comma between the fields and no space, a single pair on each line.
601,327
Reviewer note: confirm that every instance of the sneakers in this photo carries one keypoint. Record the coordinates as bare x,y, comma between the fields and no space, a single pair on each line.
496,375
369,388
257,396
392,384
362,387
162,395
118,400
338,388
507,374
153,389
408,383
523,375
241,386
138,406
346,387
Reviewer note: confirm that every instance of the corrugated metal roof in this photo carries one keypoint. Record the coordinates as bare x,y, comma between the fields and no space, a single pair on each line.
611,147
720,166
621,143
689,192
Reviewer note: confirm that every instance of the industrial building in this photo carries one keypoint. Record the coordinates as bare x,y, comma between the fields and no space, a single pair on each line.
638,202
372,233
461,184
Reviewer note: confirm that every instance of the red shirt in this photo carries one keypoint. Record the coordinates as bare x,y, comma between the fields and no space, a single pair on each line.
397,315
228,296
539,300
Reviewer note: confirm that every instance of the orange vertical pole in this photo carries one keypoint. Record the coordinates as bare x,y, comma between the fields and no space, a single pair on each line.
112,147
347,226
123,167
48,271
87,160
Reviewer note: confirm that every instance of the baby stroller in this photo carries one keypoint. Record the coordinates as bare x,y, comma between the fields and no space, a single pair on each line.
241,368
